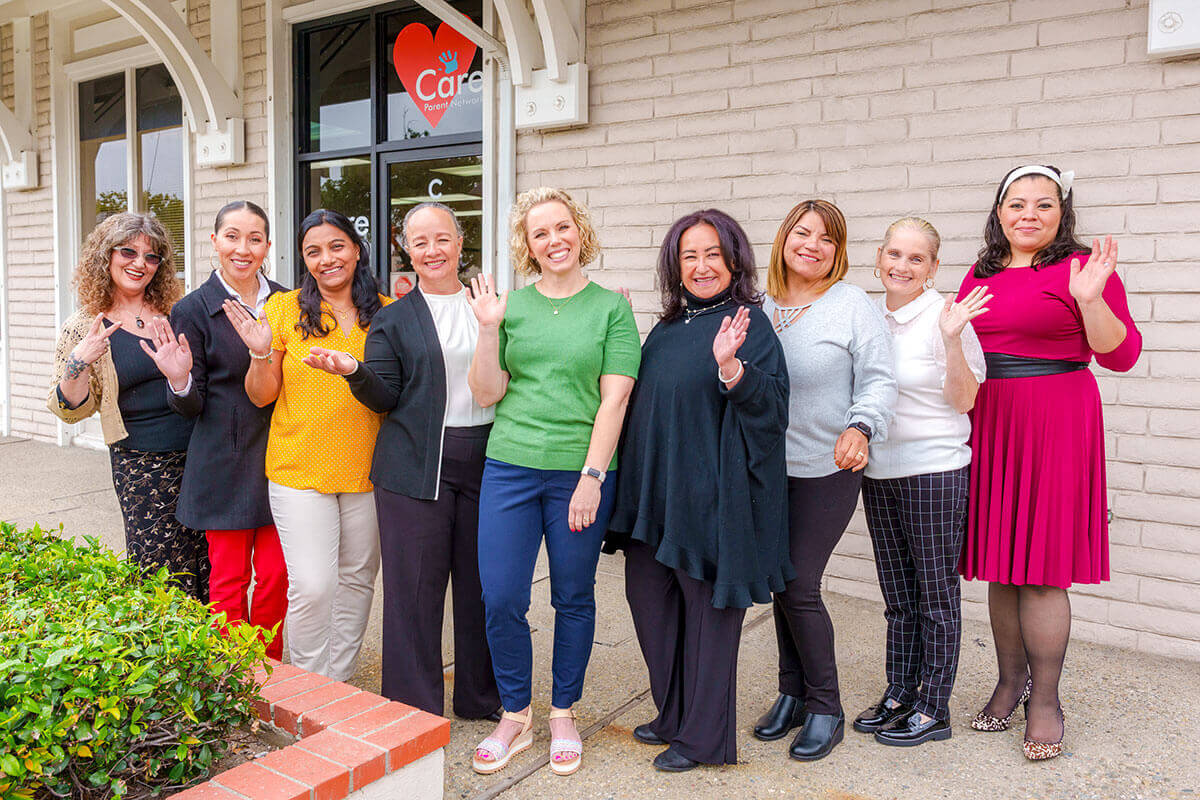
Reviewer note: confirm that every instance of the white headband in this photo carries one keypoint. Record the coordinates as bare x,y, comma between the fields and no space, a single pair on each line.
1064,181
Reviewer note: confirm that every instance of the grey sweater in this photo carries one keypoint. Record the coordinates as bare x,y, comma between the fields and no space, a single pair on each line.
839,358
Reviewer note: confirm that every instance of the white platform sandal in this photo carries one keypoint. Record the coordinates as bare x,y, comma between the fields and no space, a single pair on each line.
501,753
566,766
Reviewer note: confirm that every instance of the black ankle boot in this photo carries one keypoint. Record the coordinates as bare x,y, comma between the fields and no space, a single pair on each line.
820,734
786,714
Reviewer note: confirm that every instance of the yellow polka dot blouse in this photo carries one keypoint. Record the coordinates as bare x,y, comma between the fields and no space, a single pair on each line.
321,437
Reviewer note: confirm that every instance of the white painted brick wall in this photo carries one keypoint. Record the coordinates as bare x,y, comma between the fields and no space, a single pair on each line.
890,107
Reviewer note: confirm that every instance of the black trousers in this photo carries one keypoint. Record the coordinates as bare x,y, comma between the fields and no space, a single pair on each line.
147,486
818,511
423,544
691,653
917,525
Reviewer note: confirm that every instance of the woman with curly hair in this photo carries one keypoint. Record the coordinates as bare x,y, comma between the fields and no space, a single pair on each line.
319,448
125,280
557,359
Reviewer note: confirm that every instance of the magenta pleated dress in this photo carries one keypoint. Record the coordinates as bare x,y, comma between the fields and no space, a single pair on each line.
1038,510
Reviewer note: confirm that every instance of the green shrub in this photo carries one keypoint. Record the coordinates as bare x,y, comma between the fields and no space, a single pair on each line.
113,682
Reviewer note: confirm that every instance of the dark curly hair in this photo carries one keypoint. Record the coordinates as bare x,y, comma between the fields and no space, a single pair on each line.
364,290
994,254
735,249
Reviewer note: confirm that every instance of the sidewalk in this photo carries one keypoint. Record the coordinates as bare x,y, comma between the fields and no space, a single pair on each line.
1133,721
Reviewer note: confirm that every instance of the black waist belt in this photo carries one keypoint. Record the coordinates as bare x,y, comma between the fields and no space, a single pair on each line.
1002,365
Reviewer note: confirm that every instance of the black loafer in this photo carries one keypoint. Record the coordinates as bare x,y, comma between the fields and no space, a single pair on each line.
879,715
671,761
820,734
646,736
909,730
787,713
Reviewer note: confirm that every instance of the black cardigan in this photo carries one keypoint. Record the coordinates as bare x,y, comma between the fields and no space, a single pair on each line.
403,375
224,482
703,476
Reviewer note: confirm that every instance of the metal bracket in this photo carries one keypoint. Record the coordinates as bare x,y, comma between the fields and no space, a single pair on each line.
21,172
546,103
222,148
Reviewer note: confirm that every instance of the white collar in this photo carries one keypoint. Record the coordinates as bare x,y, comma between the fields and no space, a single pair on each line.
264,290
913,308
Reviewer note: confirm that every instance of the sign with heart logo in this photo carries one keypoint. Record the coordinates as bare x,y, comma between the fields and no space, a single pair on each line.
432,66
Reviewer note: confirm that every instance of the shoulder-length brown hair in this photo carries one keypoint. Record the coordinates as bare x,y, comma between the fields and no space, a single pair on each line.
93,277
835,226
518,243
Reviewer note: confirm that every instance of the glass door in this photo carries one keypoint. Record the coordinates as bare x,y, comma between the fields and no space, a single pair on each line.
411,178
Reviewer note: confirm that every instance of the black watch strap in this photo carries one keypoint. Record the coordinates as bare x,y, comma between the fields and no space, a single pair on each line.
863,427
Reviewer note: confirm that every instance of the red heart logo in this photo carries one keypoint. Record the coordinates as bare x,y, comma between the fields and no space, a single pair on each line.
431,66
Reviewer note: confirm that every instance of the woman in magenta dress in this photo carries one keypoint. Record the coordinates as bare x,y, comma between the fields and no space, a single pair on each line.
1037,518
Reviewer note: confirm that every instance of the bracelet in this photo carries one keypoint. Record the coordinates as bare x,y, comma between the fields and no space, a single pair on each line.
253,354
740,369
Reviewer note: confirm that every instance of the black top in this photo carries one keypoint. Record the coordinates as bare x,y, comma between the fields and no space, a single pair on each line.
403,375
703,474
224,482
143,399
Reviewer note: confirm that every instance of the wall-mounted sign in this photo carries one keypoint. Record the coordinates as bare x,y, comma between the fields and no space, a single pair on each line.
434,67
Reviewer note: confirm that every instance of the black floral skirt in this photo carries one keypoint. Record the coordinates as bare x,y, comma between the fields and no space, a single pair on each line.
147,487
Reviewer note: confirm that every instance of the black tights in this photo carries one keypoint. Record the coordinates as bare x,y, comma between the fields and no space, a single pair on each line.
1031,626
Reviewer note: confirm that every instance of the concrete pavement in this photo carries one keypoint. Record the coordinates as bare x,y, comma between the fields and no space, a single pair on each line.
1132,720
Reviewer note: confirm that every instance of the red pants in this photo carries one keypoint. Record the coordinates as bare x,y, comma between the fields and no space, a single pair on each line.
233,554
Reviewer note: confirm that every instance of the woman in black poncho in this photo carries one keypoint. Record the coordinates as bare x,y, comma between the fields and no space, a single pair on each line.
701,500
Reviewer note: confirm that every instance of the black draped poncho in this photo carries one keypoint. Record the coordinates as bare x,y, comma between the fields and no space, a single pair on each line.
703,476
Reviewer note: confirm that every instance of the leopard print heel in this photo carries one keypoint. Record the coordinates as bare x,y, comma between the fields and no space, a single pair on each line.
1041,751
988,723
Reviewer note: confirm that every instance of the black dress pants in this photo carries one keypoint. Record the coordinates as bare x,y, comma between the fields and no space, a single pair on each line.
917,525
423,544
818,511
691,653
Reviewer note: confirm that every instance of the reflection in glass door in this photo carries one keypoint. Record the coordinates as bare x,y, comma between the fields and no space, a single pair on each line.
456,181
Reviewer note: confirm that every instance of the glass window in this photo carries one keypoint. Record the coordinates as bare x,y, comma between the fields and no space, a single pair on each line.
160,150
103,150
434,78
338,102
342,184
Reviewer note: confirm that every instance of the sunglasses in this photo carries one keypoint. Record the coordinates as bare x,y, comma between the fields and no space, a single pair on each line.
129,254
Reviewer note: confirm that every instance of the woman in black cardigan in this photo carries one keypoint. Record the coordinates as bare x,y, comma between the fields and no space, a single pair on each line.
427,468
224,490
701,500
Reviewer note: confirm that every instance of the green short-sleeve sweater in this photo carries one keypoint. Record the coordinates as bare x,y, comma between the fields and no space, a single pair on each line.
554,362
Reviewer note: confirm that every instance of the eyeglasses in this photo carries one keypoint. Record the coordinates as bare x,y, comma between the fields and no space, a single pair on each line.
129,254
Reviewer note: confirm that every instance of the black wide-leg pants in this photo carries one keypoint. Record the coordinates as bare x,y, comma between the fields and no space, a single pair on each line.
691,653
424,544
818,511
917,525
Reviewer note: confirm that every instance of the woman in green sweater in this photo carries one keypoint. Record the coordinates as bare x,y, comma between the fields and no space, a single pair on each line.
558,359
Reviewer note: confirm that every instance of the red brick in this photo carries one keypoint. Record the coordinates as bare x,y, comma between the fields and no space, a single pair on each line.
329,780
411,738
290,688
260,783
288,712
206,791
281,673
321,718
367,762
374,720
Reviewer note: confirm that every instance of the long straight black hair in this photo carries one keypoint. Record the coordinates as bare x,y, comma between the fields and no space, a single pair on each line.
735,249
996,251
364,290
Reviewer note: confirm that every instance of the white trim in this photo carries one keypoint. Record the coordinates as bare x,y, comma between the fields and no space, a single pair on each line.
64,183
281,167
317,9
85,69
5,380
189,186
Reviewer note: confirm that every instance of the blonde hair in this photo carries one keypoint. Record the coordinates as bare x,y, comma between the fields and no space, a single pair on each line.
93,275
919,225
522,260
835,226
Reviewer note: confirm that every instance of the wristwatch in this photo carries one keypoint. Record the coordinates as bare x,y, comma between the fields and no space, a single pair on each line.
862,427
592,472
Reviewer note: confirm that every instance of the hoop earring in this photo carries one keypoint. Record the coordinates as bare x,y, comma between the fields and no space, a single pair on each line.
929,283
875,272
212,262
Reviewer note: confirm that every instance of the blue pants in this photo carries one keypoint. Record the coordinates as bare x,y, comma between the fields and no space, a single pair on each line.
517,507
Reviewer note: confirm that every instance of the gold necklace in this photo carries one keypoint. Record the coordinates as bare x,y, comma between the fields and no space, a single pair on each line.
563,304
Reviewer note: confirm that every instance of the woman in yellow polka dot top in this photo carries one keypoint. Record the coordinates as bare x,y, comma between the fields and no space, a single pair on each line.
320,445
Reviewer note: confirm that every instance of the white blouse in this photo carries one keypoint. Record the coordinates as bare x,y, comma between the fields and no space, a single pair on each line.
927,434
458,332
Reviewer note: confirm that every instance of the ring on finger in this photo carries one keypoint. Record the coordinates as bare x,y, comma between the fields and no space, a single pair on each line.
860,454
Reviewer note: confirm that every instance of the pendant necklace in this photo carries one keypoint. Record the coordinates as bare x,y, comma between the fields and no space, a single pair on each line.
137,318
562,304
690,315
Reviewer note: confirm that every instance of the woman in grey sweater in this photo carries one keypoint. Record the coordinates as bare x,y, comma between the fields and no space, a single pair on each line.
839,358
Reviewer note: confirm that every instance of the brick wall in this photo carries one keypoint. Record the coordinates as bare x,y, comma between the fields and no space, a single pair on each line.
890,107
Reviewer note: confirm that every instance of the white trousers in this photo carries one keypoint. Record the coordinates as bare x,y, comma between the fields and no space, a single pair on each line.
331,546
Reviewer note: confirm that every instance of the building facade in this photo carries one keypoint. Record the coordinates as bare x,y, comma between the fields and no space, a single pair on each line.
645,109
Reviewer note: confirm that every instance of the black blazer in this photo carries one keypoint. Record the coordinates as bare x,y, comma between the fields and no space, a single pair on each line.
404,376
224,482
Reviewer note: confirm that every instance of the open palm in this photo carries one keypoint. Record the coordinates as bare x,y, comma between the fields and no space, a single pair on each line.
171,355
256,334
1087,282
488,306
